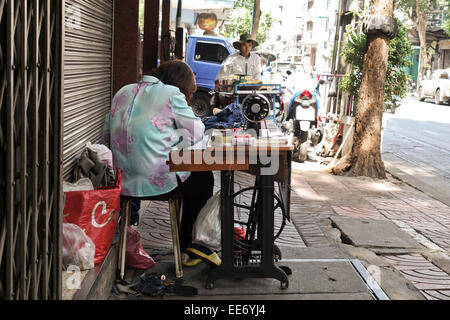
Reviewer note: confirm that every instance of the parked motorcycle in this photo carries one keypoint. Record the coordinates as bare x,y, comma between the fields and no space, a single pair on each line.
301,117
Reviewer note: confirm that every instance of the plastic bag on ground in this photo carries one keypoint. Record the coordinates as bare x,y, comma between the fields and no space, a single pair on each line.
207,227
103,153
78,248
136,257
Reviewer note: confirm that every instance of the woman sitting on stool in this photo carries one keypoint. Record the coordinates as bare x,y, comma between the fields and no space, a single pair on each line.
143,127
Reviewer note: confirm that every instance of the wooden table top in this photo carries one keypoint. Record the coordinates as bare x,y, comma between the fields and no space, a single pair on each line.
218,158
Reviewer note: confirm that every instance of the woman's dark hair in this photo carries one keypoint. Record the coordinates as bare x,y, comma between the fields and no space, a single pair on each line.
177,73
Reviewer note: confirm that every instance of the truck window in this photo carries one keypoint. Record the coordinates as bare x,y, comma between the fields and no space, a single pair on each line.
210,52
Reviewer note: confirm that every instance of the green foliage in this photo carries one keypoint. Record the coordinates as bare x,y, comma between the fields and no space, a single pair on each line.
445,5
446,26
241,17
410,7
425,6
396,79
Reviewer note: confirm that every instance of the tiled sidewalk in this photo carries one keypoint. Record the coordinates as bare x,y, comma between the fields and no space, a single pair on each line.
155,222
362,198
318,195
429,279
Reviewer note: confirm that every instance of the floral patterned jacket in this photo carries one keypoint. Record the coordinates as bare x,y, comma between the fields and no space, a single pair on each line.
142,127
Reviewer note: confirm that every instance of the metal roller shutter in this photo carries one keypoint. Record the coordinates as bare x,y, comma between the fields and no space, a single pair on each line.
87,74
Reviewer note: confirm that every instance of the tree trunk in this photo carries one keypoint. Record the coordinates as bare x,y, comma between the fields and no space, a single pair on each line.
421,24
256,18
366,152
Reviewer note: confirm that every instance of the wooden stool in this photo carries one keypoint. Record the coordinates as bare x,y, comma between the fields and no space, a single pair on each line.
174,200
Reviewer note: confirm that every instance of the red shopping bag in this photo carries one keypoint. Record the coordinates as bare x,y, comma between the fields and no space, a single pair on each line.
97,213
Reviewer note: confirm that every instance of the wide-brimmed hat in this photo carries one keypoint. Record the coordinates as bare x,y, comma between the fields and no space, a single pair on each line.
244,38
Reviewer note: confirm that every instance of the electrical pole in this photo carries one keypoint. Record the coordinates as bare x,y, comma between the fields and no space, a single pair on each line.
179,33
336,36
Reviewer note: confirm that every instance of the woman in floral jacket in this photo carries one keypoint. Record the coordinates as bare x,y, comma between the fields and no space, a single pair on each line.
147,121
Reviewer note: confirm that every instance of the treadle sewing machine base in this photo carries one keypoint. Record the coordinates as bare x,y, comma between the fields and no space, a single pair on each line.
259,256
249,266
253,263
255,253
271,272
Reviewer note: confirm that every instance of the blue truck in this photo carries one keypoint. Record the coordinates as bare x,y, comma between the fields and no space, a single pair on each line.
205,55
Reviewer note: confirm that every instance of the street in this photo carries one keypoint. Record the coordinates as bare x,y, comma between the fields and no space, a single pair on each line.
416,146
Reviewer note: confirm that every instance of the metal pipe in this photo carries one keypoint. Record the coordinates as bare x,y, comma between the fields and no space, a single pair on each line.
22,265
10,66
35,151
58,141
45,160
165,32
336,35
335,47
178,21
179,34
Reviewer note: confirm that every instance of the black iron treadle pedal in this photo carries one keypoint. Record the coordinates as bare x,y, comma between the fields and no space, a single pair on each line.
243,258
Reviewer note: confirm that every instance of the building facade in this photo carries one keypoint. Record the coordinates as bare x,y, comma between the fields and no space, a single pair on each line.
283,39
303,31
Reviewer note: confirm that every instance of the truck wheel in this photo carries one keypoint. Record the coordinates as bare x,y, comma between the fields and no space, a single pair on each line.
201,104
421,97
437,97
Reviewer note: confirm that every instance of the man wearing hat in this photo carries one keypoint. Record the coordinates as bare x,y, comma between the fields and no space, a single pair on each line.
243,62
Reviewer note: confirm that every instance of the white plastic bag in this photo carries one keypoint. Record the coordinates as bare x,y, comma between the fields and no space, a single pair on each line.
103,153
207,227
78,248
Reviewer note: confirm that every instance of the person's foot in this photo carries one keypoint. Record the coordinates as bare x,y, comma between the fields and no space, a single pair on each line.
188,261
134,219
135,213
205,254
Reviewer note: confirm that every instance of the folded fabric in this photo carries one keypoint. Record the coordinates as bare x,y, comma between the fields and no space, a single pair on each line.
228,118
90,166
157,286
151,285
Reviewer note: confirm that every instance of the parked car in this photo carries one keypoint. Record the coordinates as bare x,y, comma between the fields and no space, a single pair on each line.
283,66
438,87
281,71
205,55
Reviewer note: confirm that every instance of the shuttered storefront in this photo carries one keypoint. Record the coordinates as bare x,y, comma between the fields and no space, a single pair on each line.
87,74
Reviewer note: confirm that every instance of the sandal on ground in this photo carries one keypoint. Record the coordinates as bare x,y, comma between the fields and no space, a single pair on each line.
204,253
